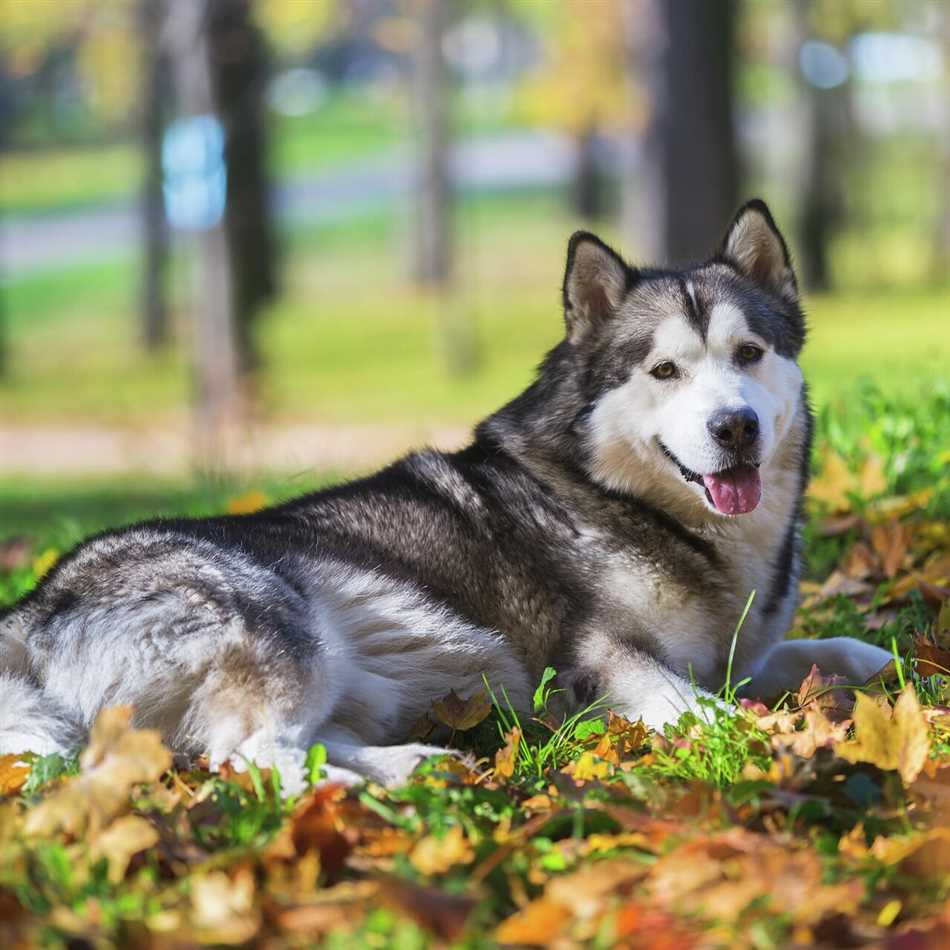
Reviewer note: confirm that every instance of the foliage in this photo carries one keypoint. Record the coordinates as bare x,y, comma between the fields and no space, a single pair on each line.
822,821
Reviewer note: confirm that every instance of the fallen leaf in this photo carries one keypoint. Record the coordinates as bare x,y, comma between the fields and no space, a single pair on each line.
462,714
507,757
123,839
13,774
931,660
893,740
117,758
435,854
223,908
444,915
317,825
890,541
43,564
535,925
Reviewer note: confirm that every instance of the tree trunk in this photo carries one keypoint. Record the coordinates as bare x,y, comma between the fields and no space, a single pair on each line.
219,402
433,246
239,76
155,330
688,180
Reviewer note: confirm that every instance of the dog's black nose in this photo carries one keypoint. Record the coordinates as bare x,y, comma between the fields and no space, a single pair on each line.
734,428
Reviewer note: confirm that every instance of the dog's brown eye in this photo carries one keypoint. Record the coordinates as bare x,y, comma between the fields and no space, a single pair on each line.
750,353
665,370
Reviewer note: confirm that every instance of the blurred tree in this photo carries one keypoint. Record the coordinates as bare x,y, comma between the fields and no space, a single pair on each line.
156,97
238,76
584,87
690,176
216,362
942,242
433,241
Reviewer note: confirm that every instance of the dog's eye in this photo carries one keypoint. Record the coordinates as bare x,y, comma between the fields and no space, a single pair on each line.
749,353
664,370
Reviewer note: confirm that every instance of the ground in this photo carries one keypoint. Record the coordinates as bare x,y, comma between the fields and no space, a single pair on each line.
820,821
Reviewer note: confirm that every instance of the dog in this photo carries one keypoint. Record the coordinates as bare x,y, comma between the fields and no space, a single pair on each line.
611,521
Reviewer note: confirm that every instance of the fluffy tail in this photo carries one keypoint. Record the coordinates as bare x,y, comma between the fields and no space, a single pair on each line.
30,721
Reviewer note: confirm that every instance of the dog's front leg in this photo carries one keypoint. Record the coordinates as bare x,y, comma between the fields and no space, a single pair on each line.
785,666
632,682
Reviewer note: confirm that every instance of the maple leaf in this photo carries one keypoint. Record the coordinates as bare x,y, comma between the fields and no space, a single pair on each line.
117,758
535,925
893,740
462,714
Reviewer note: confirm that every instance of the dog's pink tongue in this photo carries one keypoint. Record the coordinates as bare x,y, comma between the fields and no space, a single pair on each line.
736,491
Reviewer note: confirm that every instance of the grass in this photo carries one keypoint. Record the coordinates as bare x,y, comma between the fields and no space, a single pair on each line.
350,341
585,828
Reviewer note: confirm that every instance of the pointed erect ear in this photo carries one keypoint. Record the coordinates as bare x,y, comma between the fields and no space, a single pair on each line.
595,283
756,248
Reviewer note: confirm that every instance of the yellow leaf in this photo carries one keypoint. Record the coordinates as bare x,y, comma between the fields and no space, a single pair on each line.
44,562
895,740
833,483
507,758
247,503
462,714
435,855
117,758
587,768
125,837
871,479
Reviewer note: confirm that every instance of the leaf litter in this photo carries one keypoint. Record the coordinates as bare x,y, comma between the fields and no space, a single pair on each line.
820,820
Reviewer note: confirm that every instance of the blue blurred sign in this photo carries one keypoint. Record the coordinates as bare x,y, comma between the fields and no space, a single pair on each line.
195,173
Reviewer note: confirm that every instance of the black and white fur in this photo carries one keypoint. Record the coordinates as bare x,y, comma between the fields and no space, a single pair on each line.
575,531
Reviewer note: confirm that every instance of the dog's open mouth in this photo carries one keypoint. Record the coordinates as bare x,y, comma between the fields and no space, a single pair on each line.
733,491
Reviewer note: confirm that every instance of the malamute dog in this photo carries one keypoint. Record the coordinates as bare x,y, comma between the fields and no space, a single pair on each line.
610,521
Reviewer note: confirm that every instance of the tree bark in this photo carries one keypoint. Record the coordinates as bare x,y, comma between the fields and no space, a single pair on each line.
433,245
688,179
154,302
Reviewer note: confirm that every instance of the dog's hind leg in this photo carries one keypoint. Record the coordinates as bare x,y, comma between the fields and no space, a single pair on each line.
29,720
216,651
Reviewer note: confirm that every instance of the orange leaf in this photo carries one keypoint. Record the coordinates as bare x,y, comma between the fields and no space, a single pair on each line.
534,926
507,758
13,774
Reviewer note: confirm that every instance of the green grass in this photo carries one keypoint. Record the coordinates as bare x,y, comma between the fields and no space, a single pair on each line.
351,341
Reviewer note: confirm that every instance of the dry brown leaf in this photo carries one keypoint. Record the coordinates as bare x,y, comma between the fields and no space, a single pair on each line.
462,714
931,660
435,855
890,542
895,740
444,915
318,825
817,732
859,563
117,758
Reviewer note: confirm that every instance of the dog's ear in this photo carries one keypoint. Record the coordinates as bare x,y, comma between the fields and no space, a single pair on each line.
596,280
754,246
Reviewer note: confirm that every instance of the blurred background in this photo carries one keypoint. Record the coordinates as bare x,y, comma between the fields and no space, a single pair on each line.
279,241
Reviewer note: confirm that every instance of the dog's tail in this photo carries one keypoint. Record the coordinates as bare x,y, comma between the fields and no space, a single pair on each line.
30,720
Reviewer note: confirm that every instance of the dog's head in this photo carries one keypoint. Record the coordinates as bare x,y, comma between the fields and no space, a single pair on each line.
690,376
